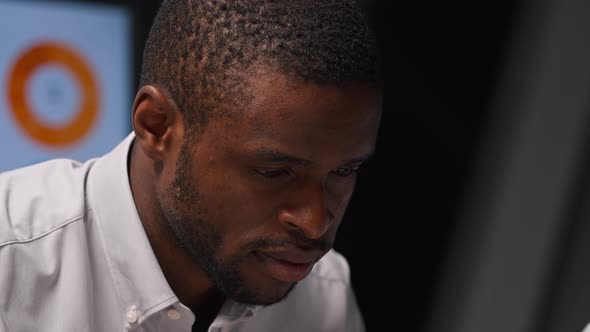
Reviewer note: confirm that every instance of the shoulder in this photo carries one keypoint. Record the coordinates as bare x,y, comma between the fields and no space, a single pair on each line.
37,199
333,267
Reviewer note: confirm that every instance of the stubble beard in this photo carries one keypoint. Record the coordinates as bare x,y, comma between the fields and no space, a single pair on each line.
186,218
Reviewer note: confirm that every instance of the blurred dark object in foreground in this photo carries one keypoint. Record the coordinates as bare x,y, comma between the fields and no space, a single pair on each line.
442,60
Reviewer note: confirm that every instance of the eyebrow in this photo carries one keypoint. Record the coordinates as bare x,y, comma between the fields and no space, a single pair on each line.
275,156
361,159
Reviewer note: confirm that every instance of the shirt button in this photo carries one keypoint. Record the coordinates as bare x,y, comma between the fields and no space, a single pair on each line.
132,314
173,314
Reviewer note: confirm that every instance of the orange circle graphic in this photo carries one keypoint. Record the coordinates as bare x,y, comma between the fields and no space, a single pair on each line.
53,135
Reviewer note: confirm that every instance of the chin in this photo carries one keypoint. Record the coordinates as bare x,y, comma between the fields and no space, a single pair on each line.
269,294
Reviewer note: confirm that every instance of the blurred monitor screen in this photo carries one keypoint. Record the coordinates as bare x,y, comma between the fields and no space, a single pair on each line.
65,79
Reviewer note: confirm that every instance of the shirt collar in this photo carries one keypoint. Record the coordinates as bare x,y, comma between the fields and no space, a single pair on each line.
138,278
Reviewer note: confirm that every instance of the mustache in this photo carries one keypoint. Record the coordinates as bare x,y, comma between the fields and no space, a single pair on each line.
302,243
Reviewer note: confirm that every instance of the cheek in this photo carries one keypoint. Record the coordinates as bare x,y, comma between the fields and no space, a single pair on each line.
339,191
238,212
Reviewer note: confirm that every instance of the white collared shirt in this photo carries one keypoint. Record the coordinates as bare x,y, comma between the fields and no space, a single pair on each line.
74,257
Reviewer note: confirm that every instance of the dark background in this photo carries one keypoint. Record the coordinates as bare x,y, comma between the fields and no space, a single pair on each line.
441,61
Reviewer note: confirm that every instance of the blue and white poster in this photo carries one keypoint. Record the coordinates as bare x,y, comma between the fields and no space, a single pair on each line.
65,81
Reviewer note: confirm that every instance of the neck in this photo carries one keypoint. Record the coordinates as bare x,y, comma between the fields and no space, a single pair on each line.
190,284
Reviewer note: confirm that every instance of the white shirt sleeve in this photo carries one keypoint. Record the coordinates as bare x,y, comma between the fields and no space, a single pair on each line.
355,322
3,323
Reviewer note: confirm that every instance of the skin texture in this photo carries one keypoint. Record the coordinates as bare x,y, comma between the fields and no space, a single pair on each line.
215,205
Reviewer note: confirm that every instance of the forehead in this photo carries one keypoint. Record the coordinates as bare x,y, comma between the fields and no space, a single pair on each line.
301,118
274,96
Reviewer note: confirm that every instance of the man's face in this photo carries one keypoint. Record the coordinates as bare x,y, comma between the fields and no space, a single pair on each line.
256,200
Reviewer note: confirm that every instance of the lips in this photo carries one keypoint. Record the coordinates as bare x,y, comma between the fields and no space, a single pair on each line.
288,266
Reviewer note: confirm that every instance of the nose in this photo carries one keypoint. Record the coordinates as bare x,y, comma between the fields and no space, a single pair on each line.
308,213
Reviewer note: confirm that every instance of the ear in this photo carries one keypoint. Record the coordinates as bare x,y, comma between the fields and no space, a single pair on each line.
156,122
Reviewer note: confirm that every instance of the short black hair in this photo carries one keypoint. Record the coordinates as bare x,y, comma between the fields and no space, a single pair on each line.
199,50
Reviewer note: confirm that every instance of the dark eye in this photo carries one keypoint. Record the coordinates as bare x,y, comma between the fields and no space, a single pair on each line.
344,171
272,173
